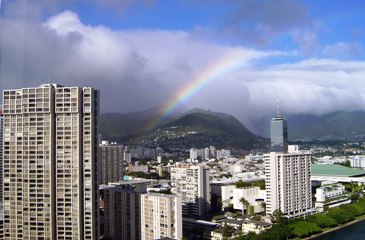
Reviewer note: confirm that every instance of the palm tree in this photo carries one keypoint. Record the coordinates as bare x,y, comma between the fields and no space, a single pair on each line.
245,204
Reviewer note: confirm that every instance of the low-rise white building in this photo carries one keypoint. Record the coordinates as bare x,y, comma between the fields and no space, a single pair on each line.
255,226
252,194
332,195
223,153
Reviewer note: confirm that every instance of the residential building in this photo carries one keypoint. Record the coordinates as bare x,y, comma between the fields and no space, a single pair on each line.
193,154
223,153
255,226
288,182
192,183
1,157
1,173
161,216
50,163
127,156
217,234
213,151
111,162
206,154
198,229
331,195
137,168
122,212
279,134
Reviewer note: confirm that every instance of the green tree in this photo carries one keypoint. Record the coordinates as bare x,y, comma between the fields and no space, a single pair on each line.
322,220
245,204
251,210
278,217
227,230
354,197
340,215
304,229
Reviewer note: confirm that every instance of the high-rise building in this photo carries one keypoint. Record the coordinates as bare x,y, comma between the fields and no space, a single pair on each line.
192,183
213,151
193,154
1,157
111,162
206,153
50,163
1,173
161,216
288,182
122,210
279,134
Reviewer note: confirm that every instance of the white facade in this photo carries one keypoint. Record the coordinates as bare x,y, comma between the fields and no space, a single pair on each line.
251,194
255,226
223,153
50,142
227,192
236,168
329,191
138,168
288,182
193,154
332,195
161,216
357,162
192,183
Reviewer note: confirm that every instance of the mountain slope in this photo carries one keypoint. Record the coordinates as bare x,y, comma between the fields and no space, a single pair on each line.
121,127
336,125
201,129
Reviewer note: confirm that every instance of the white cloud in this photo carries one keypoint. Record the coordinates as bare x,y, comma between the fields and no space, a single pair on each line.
138,69
342,50
307,40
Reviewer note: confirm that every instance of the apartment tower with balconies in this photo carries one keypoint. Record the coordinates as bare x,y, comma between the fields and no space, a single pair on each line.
50,163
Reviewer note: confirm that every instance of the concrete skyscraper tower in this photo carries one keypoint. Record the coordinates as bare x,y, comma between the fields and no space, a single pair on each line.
50,163
279,134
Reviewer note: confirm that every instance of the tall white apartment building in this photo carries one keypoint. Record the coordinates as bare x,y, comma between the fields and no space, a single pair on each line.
288,182
160,216
50,163
192,183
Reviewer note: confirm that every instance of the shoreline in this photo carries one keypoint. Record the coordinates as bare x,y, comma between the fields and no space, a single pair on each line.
336,228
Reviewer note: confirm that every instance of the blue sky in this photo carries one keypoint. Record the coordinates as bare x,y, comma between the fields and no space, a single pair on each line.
330,21
140,54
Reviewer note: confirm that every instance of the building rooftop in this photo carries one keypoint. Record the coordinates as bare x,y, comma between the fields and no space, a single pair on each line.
335,170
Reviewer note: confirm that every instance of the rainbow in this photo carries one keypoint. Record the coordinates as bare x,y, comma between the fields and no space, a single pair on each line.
226,64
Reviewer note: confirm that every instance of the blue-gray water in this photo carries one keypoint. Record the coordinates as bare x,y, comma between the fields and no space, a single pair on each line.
355,231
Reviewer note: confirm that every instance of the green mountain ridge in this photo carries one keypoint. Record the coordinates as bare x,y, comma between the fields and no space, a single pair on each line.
335,125
209,128
194,128
201,129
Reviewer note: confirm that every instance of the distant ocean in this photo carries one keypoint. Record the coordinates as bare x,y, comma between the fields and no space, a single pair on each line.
355,231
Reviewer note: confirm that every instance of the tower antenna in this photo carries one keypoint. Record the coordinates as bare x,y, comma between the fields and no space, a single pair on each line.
277,106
